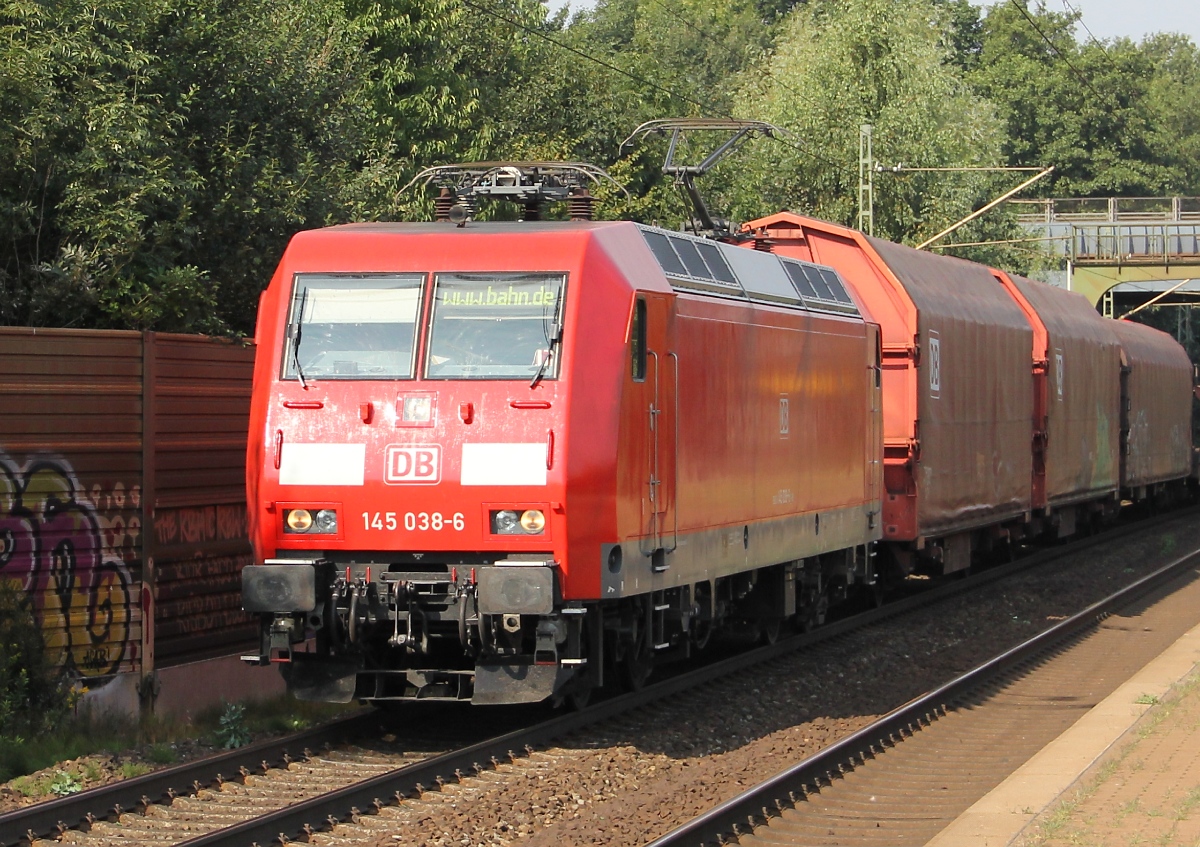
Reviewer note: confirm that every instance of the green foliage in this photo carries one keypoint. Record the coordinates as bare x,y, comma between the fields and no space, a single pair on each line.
162,754
65,783
1106,115
34,698
158,155
232,732
1174,103
843,63
131,769
657,58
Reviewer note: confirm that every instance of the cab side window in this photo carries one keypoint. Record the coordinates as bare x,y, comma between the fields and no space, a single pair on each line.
637,340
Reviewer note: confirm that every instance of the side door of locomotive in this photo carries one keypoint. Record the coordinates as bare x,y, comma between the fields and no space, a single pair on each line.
660,392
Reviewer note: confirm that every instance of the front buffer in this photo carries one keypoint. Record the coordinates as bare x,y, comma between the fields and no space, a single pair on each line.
494,632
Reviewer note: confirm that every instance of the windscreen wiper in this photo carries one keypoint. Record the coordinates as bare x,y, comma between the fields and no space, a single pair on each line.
294,332
554,340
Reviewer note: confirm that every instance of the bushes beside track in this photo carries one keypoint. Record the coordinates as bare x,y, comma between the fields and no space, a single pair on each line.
35,697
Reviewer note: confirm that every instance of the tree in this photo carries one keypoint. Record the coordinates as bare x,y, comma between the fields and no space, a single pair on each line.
1093,111
86,166
589,83
843,63
160,153
1174,100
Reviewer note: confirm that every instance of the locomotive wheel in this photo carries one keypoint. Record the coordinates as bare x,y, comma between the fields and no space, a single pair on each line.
575,695
768,630
578,699
814,615
635,669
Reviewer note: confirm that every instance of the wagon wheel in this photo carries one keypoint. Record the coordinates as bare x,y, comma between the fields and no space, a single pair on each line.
702,631
769,629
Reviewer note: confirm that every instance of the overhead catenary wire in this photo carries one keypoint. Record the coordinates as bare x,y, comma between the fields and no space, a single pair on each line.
1079,17
1050,43
766,72
584,55
632,76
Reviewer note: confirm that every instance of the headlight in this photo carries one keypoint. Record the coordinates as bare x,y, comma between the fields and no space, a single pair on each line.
298,520
326,521
533,521
506,522
417,408
320,522
512,522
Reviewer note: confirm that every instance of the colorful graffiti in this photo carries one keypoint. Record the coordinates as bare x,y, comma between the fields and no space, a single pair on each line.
201,525
72,562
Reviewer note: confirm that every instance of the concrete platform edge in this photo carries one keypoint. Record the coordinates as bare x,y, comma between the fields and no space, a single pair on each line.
1003,815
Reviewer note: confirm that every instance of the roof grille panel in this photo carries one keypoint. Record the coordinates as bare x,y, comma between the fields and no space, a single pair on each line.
703,266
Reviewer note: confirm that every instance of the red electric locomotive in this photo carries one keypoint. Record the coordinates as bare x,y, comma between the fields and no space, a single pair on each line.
496,461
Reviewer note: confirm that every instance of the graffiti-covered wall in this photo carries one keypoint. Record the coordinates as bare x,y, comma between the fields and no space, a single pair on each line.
122,508
74,554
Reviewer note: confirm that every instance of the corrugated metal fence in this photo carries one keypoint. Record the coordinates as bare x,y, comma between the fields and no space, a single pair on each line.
122,501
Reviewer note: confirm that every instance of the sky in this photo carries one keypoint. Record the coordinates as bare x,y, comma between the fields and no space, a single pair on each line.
1131,18
1105,18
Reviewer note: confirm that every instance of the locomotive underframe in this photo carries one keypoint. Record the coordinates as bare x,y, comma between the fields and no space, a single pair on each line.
499,632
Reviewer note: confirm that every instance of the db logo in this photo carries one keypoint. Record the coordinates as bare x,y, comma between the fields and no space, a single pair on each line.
413,464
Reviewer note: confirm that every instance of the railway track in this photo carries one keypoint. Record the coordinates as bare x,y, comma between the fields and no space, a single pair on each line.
902,779
271,792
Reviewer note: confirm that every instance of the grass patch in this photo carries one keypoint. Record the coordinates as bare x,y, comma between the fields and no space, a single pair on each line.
162,754
154,742
1189,802
41,726
132,769
76,738
1057,822
1060,822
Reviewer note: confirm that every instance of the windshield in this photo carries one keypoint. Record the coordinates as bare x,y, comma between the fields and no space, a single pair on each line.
495,326
356,326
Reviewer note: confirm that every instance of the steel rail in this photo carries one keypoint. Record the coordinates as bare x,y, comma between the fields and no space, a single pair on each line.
767,799
300,820
54,816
